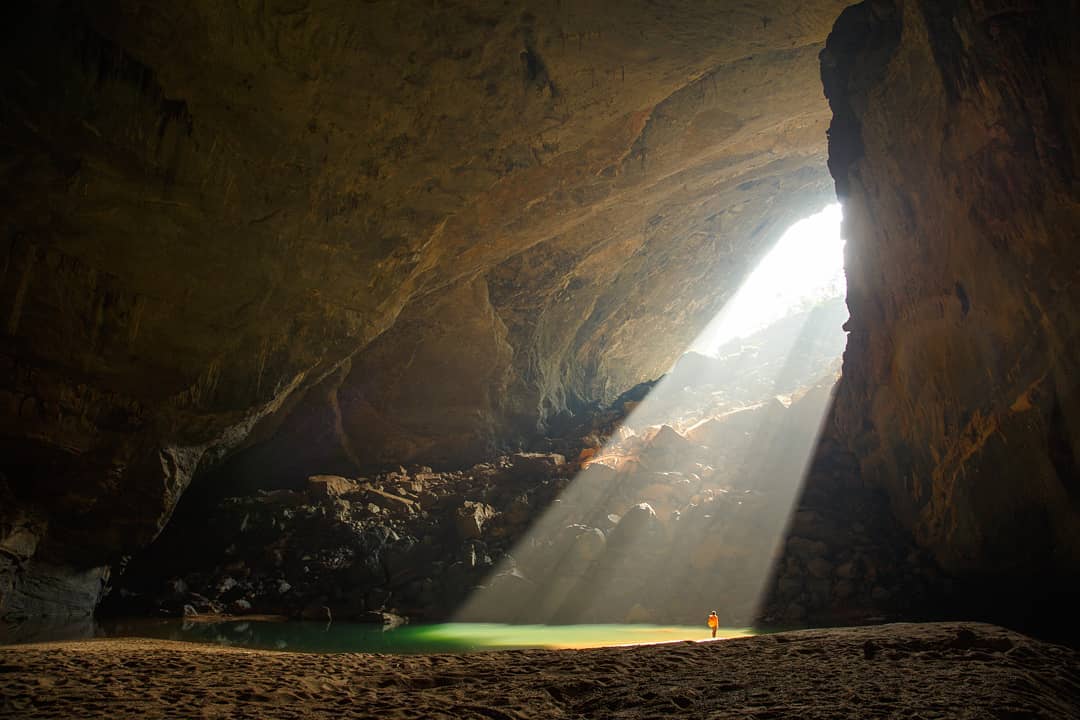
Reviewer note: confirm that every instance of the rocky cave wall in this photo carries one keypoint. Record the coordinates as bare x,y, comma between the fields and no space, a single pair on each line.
955,146
209,210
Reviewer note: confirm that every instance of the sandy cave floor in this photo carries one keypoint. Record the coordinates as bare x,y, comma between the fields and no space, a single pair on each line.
937,670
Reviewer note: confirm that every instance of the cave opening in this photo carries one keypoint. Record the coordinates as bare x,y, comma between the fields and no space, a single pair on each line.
804,269
684,507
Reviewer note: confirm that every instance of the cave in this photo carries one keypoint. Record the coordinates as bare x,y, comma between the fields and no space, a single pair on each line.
416,311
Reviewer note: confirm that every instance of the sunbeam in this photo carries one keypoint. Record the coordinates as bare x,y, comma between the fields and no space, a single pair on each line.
681,511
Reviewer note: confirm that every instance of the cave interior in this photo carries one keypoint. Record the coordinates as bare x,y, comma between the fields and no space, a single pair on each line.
382,310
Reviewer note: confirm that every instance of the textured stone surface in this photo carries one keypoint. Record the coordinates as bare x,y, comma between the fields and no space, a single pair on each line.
497,213
955,146
329,486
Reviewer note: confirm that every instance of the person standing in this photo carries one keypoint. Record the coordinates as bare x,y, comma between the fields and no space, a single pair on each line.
714,622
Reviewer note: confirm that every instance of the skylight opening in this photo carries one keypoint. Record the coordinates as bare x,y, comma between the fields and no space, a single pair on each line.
803,269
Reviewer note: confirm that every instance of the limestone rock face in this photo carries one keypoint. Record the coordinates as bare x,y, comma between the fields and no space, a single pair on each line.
462,219
955,147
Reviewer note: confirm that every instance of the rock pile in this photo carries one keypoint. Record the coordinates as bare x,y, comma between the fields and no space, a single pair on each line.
646,523
655,528
414,542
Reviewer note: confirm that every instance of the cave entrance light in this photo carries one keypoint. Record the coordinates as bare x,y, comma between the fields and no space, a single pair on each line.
805,267
682,510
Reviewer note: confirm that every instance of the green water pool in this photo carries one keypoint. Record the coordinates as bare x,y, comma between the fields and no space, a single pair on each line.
445,637
405,639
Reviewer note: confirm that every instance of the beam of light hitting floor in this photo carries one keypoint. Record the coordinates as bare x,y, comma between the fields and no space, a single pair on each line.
499,636
681,512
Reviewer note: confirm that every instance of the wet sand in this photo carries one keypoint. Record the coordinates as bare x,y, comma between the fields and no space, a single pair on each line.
939,670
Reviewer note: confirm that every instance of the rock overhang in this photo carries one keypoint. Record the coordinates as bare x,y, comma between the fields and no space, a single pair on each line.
212,208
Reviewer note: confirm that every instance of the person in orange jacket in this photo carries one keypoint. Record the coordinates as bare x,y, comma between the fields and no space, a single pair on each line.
714,622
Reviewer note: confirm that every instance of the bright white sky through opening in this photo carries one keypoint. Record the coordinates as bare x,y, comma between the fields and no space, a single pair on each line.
805,266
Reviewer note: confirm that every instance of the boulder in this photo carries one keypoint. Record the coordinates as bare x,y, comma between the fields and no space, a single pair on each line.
506,597
846,570
579,546
794,613
21,542
240,606
471,518
330,486
532,464
843,589
317,611
519,512
805,549
729,429
879,594
789,586
394,502
819,567
637,523
285,498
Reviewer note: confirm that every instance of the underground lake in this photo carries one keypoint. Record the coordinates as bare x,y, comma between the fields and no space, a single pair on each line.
352,637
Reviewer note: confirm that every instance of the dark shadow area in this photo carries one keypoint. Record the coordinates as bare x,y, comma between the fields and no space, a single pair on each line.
845,559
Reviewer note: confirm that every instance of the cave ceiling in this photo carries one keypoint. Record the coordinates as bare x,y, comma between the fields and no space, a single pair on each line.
453,220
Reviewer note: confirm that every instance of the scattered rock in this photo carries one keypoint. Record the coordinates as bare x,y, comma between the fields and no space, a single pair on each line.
471,517
330,486
536,463
805,549
317,611
820,567
421,544
638,522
